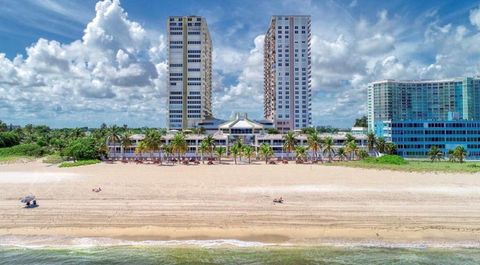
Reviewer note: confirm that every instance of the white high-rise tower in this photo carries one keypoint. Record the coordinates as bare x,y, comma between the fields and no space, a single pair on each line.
287,72
190,72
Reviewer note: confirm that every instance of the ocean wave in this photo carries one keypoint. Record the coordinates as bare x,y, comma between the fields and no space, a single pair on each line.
90,242
86,242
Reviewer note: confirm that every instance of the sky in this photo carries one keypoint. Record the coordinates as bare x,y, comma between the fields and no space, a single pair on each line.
75,63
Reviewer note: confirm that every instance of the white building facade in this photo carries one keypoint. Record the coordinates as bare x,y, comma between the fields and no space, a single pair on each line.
287,72
190,72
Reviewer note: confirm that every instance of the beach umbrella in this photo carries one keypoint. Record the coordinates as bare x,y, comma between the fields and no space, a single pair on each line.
27,198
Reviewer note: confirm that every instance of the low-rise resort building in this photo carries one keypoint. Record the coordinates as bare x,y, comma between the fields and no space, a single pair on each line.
240,128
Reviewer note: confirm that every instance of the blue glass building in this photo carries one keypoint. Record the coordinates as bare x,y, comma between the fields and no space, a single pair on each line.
416,115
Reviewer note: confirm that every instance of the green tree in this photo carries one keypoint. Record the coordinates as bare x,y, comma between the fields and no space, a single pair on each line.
371,139
314,143
113,136
126,142
451,155
168,150
349,138
3,126
362,154
77,133
328,148
141,148
179,144
220,151
265,151
248,152
272,131
341,154
361,122
81,149
236,150
390,148
8,139
309,130
210,142
460,153
380,143
289,143
153,141
352,149
203,148
301,152
435,153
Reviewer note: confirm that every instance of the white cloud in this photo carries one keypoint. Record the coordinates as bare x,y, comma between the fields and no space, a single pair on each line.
117,71
379,43
475,17
247,94
109,75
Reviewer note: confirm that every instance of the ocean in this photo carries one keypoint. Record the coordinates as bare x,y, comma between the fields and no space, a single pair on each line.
228,252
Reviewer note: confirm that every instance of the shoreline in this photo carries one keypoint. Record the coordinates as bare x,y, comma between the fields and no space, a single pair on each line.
44,241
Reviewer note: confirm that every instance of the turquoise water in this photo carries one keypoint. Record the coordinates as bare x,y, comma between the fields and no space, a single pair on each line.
236,255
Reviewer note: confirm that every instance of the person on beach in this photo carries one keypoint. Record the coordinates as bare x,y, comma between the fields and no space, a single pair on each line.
280,200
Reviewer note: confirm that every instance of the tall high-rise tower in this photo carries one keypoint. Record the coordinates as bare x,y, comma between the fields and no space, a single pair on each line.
287,72
190,72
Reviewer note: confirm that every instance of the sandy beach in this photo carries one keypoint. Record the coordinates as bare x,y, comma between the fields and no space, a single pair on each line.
323,204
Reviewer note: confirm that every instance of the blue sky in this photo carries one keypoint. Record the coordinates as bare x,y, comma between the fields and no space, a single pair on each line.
81,63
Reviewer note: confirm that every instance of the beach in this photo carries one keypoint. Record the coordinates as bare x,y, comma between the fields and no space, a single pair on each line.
324,205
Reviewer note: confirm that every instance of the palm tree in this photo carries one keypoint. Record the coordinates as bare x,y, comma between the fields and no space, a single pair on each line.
352,149
341,154
265,151
314,143
220,151
126,142
390,148
328,147
102,148
460,153
141,148
239,149
362,154
451,155
235,151
301,152
435,153
203,148
114,136
380,143
179,145
168,150
349,137
248,152
210,142
289,142
371,139
153,141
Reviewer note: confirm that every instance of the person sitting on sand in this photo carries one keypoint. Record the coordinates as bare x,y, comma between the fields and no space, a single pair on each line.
280,200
